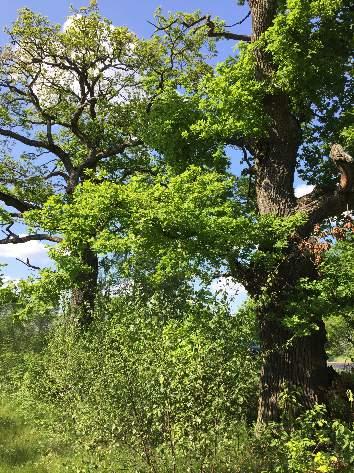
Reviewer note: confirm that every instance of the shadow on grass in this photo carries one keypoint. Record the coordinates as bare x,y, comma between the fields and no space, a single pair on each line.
20,447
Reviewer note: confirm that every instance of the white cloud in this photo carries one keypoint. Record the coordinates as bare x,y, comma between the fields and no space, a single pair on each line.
228,290
26,250
226,286
303,189
70,20
8,280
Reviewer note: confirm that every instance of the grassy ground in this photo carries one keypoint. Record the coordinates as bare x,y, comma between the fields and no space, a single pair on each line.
340,359
22,448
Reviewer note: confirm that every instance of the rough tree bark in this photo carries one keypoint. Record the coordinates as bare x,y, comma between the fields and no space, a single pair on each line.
85,288
291,361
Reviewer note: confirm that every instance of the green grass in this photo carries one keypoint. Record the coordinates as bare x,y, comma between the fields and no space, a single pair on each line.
22,448
340,359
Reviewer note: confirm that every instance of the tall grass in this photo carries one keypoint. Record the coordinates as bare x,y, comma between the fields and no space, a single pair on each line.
24,449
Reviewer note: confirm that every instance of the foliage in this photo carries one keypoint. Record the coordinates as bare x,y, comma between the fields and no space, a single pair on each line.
169,392
165,379
336,290
310,43
166,226
340,337
311,443
34,299
331,295
232,100
151,393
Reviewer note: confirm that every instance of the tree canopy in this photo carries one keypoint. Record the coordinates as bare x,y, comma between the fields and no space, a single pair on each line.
116,149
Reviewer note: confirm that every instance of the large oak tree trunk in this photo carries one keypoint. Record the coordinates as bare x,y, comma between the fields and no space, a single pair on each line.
288,361
297,364
291,360
84,291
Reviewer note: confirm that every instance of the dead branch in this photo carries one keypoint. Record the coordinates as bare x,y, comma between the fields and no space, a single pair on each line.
28,264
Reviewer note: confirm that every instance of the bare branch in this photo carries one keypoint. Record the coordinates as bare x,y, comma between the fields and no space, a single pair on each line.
228,35
15,215
211,28
242,273
130,172
75,118
57,174
225,34
93,159
15,239
49,132
53,148
220,274
16,203
28,264
239,22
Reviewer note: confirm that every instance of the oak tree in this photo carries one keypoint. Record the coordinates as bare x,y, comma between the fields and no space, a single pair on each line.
285,101
67,103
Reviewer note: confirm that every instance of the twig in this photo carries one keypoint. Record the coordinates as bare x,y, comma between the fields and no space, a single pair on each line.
211,28
28,264
239,22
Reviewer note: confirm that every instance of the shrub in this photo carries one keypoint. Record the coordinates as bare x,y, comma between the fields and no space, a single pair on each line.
312,444
166,394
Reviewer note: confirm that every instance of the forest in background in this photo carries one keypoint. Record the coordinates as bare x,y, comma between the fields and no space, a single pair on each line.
115,150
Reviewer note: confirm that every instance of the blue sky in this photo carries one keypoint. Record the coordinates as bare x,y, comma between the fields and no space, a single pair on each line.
134,14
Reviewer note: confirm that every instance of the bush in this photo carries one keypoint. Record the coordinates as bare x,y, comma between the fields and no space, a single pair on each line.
20,341
142,392
312,444
167,395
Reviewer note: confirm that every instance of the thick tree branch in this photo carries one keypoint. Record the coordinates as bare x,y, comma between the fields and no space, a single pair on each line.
94,158
52,147
15,215
225,34
129,172
57,174
229,35
211,28
15,239
16,203
242,273
319,205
